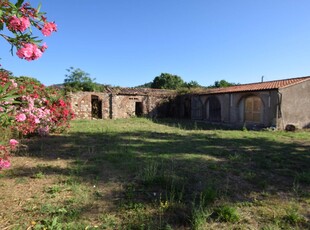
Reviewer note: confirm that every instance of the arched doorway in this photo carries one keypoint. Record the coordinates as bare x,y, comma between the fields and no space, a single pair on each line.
214,109
253,109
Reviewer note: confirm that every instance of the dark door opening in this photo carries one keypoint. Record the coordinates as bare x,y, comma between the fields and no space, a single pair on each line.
139,109
96,107
187,108
214,109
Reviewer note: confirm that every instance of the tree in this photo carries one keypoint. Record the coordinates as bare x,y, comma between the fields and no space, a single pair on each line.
222,83
18,19
193,84
167,81
145,85
78,80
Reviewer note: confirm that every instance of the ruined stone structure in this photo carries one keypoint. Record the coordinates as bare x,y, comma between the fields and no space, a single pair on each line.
128,102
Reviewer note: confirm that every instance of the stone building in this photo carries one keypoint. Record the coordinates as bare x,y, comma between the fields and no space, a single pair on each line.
265,104
274,103
128,102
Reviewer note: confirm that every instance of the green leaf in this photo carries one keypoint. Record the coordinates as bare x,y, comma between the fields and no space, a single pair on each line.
39,7
19,3
5,87
10,97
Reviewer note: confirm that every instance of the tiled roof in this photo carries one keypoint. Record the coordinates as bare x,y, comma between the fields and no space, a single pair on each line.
143,91
268,85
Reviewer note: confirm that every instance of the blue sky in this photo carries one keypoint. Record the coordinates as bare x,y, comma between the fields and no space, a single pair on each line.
129,42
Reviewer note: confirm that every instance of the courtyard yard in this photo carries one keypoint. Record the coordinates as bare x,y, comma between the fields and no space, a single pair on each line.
158,174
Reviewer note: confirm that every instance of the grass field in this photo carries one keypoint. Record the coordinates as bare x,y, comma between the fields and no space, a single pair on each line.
164,174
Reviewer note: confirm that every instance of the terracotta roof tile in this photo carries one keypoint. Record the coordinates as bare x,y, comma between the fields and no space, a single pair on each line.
143,91
268,85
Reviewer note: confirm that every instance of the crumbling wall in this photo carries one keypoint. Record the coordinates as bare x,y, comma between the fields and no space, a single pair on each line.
125,103
82,104
124,106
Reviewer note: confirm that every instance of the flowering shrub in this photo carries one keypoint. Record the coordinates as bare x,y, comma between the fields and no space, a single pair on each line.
26,106
18,19
5,150
42,110
29,108
8,91
7,94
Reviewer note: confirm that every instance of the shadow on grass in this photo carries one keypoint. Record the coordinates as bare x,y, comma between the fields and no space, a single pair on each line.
187,124
179,165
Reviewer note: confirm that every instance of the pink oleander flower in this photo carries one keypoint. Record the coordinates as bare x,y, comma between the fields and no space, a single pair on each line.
48,28
29,52
13,142
14,84
43,47
18,24
20,117
4,164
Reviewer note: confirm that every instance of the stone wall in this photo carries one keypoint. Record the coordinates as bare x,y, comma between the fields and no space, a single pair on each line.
82,104
125,103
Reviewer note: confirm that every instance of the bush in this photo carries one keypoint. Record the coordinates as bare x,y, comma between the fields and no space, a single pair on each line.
29,108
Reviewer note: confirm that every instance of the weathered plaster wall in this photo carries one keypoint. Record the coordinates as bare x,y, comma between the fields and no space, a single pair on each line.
232,107
295,106
269,99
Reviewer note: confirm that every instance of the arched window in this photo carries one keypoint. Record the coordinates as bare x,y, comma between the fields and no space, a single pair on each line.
253,109
214,109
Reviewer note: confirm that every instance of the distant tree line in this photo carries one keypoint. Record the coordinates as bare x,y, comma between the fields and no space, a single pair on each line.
79,80
170,81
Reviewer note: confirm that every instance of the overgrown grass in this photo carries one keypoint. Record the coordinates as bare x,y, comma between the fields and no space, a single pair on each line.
163,174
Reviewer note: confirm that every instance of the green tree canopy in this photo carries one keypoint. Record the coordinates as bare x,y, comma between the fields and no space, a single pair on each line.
78,80
145,85
193,84
167,81
222,83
